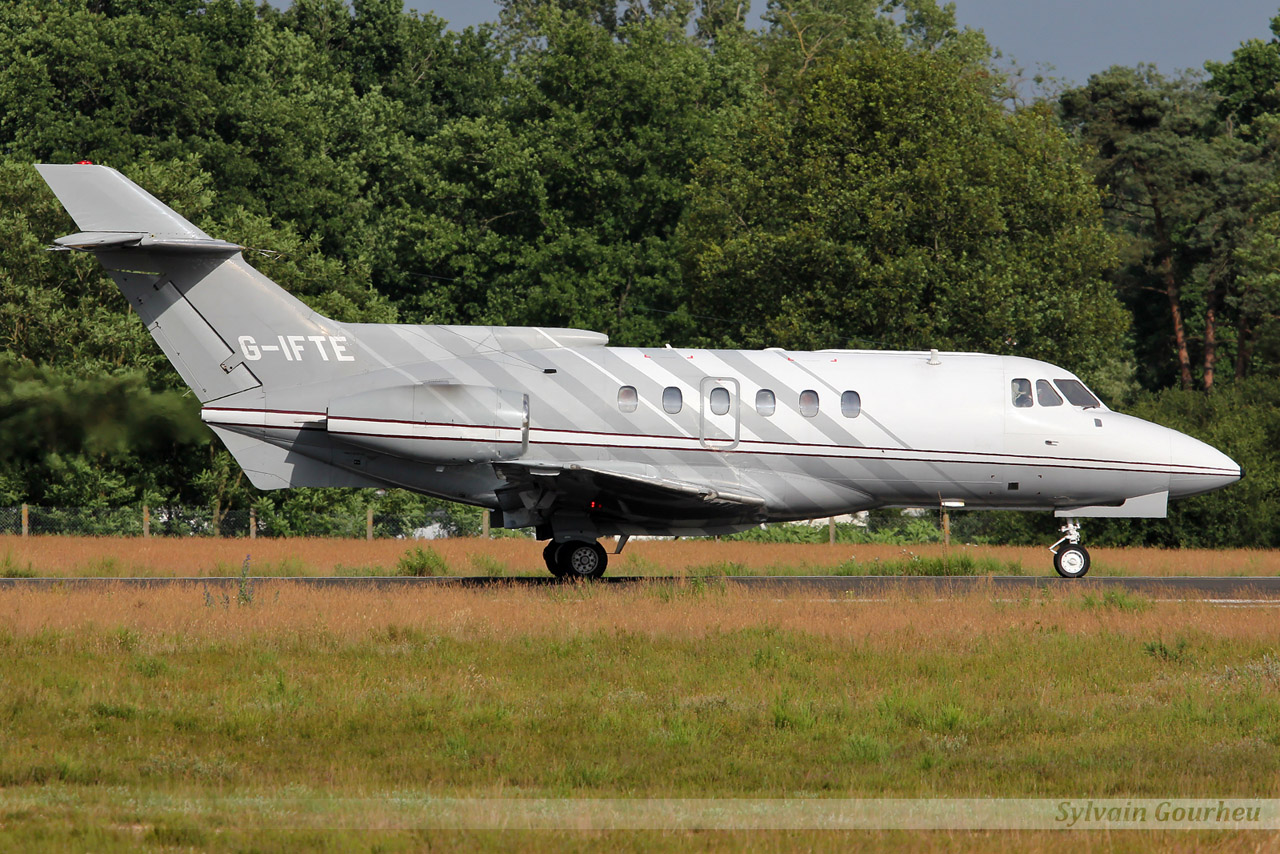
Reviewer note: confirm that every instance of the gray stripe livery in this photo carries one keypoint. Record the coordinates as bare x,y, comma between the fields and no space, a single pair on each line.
541,424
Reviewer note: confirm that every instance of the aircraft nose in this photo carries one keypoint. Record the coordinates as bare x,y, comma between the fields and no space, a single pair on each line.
1199,467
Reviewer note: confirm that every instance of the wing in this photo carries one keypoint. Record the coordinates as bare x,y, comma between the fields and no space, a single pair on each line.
615,500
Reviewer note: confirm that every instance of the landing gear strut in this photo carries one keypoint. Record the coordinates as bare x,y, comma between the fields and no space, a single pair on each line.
575,559
1072,559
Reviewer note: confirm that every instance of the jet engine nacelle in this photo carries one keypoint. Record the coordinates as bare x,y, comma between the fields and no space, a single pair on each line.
445,423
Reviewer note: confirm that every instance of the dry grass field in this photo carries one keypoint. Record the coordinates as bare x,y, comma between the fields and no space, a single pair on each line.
120,557
690,611
172,720
298,719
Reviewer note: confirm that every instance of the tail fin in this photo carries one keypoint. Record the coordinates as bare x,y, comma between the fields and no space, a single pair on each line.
225,327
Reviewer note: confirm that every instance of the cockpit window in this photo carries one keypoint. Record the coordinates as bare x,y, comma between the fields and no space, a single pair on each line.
1045,395
1076,394
1022,393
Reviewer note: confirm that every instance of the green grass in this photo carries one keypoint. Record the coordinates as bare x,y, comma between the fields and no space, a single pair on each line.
913,564
365,571
10,568
422,561
488,566
100,719
908,564
1119,600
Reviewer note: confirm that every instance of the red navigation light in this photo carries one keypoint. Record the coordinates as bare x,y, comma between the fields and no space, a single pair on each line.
84,162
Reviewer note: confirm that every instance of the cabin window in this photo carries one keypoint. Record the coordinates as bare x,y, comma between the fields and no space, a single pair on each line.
1045,395
719,400
672,400
808,403
1075,392
766,403
1022,393
627,398
850,404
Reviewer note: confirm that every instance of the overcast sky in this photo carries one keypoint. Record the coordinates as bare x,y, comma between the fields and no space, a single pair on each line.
1076,37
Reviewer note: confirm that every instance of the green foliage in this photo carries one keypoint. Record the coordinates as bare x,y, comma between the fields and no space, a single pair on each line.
891,527
897,203
561,206
88,439
853,174
11,568
1178,186
1175,652
244,587
1247,84
488,566
1115,600
1243,420
421,561
914,564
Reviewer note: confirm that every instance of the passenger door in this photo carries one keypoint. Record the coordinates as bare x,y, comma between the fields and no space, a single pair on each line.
719,405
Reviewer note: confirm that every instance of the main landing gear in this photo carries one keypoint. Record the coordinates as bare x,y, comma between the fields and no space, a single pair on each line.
1072,559
575,559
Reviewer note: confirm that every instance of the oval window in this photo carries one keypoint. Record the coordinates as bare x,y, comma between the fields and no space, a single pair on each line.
719,400
766,403
850,404
627,398
808,403
672,400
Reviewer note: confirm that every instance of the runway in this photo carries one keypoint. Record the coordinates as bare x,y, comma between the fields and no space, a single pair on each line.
843,586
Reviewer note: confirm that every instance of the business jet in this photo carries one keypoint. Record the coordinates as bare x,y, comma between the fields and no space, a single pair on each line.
553,429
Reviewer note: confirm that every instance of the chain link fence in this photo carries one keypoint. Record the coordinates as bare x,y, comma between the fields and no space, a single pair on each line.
183,521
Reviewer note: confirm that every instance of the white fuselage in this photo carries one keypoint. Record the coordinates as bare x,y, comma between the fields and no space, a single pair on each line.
928,429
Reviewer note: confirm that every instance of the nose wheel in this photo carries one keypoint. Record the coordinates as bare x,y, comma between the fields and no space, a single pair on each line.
1070,559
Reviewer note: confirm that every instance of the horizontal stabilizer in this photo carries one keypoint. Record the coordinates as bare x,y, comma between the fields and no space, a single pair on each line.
93,241
101,199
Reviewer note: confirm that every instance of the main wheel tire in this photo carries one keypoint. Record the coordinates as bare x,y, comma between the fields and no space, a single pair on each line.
549,555
1071,561
580,559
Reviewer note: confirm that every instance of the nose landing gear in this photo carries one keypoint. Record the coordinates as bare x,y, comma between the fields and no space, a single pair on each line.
1072,559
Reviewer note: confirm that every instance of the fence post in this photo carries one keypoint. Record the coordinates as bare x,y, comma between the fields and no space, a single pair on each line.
146,521
368,523
253,523
26,521
484,524
946,528
831,530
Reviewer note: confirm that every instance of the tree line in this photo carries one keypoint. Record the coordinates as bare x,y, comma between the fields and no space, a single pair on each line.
854,173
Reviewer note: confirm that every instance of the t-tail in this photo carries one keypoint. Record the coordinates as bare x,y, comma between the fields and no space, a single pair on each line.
225,327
